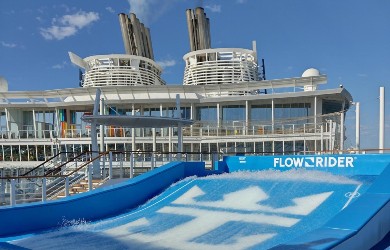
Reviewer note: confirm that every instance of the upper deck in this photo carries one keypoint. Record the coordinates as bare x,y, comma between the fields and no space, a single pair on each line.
276,89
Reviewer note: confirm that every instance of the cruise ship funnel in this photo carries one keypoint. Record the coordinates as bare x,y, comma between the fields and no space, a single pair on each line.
136,37
198,29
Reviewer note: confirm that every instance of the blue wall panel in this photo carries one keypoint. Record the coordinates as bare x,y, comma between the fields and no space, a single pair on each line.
99,203
361,224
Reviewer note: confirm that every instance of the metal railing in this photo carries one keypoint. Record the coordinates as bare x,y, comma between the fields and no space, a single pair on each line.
50,181
28,134
42,183
47,183
302,125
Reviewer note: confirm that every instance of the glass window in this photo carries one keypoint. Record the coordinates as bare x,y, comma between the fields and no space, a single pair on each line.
15,153
208,114
299,146
288,147
259,147
268,147
185,112
261,112
152,112
230,147
278,147
3,121
240,147
186,147
310,145
222,147
128,147
232,113
148,147
32,155
213,147
7,153
28,117
293,110
139,147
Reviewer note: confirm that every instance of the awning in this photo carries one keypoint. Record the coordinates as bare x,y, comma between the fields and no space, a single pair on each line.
136,121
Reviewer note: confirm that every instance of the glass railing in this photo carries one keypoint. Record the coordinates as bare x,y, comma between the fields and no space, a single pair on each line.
225,130
29,134
73,175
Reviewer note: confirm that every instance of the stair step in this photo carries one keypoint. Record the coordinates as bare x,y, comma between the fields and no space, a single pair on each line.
80,187
94,182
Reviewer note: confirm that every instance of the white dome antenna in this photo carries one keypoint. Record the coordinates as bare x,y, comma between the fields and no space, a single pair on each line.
311,72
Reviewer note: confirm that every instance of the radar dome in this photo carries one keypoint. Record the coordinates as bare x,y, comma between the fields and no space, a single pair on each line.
311,72
3,84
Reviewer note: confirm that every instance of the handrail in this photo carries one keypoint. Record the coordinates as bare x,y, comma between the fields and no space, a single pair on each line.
69,160
56,176
86,163
43,163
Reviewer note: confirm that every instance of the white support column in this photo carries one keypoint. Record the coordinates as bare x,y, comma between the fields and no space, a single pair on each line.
178,108
315,113
293,147
95,147
154,139
110,166
8,122
192,111
67,116
66,186
331,137
44,189
322,138
89,169
170,139
192,117
179,140
357,135
246,117
273,114
57,126
142,130
132,130
218,115
342,116
179,129
154,147
131,165
94,142
2,188
102,109
34,124
121,159
381,119
12,198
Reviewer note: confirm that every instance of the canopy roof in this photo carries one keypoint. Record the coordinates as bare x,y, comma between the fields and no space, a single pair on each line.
136,121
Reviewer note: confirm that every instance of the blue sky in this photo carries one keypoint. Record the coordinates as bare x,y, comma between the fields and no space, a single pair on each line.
348,40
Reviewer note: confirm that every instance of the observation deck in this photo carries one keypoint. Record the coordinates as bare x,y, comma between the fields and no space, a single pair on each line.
220,66
118,70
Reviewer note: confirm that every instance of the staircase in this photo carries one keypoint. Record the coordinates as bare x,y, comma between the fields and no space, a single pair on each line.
80,187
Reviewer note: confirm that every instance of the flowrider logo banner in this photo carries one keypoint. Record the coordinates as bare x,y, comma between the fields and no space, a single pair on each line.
314,162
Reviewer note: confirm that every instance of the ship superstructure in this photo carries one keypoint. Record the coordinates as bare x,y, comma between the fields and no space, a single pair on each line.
234,109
